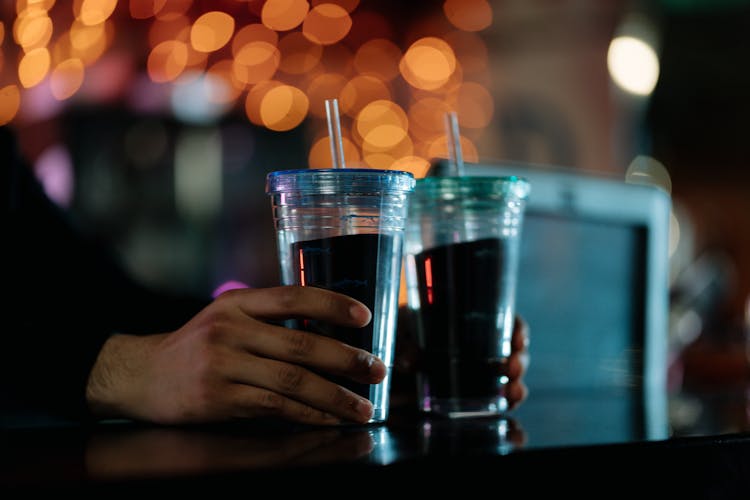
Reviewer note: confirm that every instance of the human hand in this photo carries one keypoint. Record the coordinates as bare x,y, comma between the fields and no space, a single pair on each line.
408,359
231,362
518,363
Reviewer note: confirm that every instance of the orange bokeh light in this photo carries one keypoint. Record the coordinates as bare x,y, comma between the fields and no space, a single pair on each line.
224,71
284,15
143,9
322,87
93,12
439,149
253,33
171,9
326,24
404,147
468,15
379,58
87,43
382,124
347,5
298,54
470,49
417,165
320,153
427,118
22,5
33,67
475,104
256,62
254,99
32,28
10,102
167,61
283,108
428,63
66,78
211,31
360,91
165,30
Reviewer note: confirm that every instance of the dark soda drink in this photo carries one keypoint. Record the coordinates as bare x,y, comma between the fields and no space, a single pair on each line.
348,265
460,321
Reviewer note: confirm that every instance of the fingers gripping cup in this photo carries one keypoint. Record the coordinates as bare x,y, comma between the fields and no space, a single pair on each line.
343,229
462,250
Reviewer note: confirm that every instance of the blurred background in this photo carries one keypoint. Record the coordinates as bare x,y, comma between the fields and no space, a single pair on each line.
154,122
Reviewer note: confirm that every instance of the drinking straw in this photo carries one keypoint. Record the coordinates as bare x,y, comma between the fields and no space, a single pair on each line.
334,133
454,143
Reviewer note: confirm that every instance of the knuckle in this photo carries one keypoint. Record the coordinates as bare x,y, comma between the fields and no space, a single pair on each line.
271,402
229,295
216,326
290,378
343,399
288,297
205,365
356,361
299,345
307,413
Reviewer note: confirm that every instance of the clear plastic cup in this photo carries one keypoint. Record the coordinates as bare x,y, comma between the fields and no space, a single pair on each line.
462,246
343,229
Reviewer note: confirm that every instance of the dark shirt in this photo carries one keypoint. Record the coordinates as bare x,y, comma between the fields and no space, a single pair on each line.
65,294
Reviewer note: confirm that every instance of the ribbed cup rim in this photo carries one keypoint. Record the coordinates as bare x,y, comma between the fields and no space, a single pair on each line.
339,180
506,185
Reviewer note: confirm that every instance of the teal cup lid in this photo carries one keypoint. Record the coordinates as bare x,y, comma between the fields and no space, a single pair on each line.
473,187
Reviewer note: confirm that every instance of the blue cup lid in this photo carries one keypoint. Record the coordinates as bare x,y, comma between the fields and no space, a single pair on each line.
340,180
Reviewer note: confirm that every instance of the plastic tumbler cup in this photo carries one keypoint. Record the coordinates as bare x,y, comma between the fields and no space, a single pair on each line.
343,229
462,251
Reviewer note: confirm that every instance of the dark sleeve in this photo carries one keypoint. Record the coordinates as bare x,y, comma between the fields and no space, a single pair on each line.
65,295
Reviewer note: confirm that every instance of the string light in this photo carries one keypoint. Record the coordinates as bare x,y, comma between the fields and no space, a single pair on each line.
276,60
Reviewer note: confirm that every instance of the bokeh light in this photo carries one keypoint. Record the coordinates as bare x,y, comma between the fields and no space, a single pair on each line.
166,10
320,153
360,91
283,108
144,9
378,58
254,99
428,63
382,125
322,87
67,78
476,105
54,169
256,62
327,24
633,65
167,60
211,31
93,12
33,67
278,59
298,54
468,15
284,15
10,101
33,28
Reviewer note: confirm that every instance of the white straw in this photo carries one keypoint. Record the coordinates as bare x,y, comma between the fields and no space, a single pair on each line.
454,143
334,133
